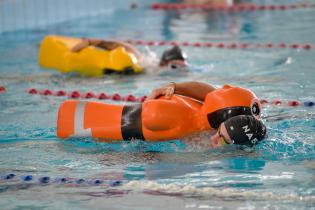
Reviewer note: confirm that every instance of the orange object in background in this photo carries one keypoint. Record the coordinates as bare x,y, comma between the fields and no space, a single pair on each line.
154,120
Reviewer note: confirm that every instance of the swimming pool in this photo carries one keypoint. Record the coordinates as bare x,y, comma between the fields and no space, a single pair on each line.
40,171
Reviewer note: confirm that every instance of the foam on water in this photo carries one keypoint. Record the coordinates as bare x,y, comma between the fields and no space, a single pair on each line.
210,192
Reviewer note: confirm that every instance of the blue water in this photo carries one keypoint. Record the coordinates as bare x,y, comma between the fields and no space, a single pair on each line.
279,174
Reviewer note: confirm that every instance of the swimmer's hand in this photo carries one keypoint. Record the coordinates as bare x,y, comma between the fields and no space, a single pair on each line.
166,90
81,45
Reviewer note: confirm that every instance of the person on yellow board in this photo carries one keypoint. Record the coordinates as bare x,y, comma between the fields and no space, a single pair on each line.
173,58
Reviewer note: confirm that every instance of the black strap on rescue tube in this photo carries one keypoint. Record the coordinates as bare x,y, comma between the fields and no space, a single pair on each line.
125,71
221,115
131,122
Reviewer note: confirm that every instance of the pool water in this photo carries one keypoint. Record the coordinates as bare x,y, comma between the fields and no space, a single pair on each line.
49,173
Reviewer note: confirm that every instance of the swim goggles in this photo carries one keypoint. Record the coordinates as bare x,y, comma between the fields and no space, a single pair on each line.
223,141
177,66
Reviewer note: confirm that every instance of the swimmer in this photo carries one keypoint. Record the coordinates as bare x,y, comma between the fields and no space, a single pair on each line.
173,58
244,130
227,115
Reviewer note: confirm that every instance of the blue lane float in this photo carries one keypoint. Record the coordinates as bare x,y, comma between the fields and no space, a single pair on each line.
9,176
44,179
309,103
27,178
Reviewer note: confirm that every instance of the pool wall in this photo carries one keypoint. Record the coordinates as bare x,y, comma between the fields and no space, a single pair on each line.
18,15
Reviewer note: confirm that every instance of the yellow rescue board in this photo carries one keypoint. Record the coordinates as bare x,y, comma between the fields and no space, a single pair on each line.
55,53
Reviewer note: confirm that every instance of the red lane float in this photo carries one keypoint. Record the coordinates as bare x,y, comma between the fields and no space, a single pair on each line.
2,89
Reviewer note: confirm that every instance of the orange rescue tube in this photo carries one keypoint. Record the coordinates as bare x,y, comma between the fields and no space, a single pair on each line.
154,120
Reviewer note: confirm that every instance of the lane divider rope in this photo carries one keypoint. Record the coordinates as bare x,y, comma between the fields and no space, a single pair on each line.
235,8
131,98
87,95
14,178
221,45
292,103
122,187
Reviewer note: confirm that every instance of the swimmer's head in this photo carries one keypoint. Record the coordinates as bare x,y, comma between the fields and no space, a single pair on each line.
244,130
173,58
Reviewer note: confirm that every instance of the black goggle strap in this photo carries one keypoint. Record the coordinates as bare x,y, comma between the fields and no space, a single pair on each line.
221,115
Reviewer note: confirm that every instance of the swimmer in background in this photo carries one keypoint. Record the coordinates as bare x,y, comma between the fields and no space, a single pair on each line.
244,130
173,58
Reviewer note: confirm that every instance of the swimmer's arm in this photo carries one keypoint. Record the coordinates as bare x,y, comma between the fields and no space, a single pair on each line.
105,44
84,43
81,45
196,90
129,48
112,44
